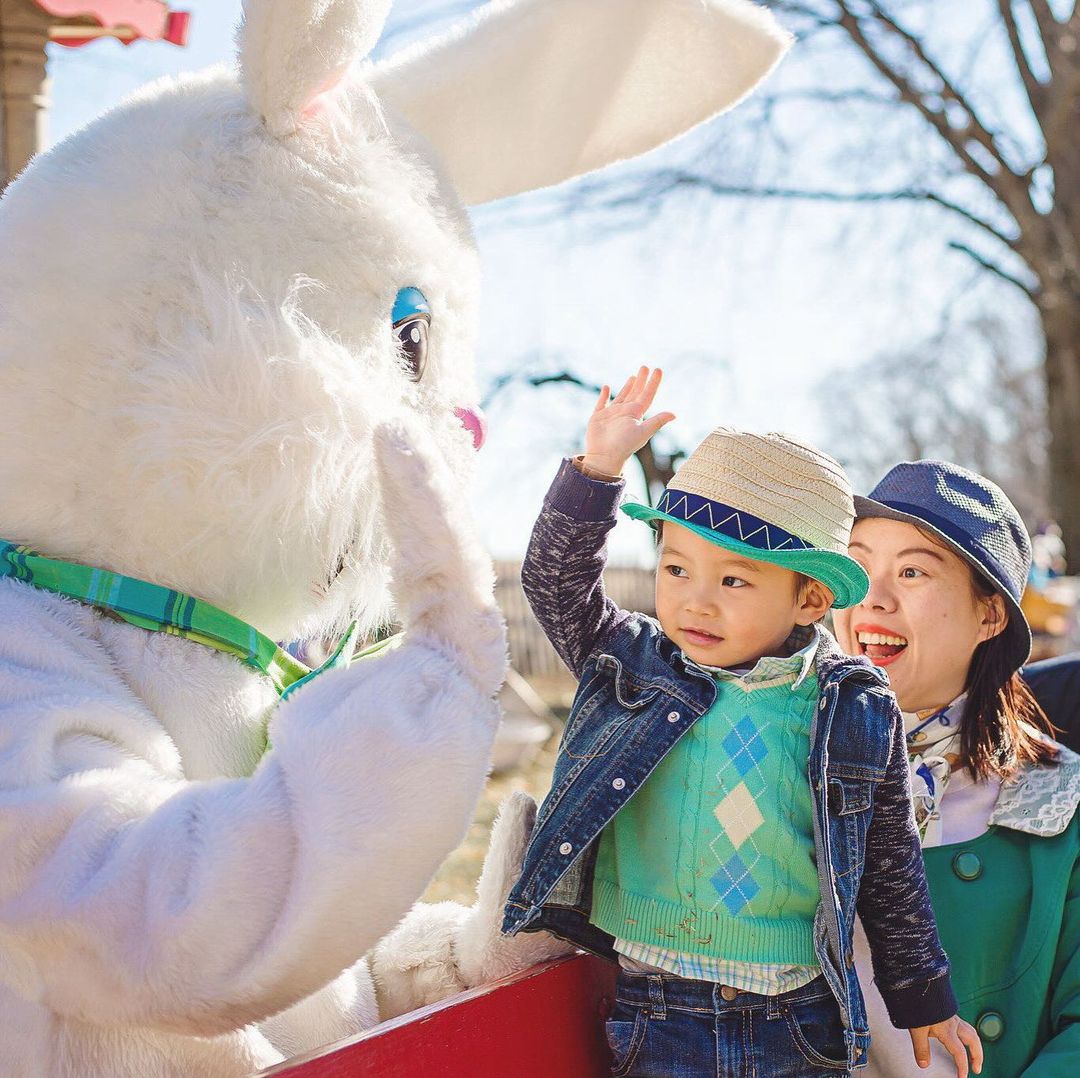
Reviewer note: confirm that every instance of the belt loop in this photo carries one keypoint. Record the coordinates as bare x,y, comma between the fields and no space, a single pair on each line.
657,1007
772,1007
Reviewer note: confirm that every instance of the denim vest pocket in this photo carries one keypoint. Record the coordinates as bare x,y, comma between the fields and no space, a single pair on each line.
605,704
847,796
850,800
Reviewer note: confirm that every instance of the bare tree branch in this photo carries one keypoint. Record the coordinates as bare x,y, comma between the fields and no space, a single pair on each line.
1006,185
661,184
657,468
979,130
1036,92
825,97
1030,291
1049,28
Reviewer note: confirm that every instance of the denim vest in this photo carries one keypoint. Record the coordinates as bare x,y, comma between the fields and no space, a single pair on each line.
637,696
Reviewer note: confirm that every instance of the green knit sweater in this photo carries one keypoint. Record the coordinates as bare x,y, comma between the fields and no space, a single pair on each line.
714,853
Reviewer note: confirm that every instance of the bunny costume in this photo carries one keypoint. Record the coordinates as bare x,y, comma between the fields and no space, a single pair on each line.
236,324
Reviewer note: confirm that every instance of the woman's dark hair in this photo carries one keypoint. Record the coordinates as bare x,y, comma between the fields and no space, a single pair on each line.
996,735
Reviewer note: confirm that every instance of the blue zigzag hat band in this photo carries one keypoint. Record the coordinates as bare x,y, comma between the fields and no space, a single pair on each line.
726,520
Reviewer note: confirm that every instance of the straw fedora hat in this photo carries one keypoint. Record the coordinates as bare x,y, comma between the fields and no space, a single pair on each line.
770,498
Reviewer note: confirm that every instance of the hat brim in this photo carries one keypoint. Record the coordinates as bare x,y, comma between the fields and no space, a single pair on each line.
1017,629
843,576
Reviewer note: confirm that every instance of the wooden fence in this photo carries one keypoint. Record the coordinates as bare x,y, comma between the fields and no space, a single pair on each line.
530,653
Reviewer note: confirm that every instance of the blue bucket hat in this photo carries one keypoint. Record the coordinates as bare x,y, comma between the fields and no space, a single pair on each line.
969,515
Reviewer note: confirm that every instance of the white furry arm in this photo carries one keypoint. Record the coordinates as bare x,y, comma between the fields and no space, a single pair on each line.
444,948
342,1009
128,895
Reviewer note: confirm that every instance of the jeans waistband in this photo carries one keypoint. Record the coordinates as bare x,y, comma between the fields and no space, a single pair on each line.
660,992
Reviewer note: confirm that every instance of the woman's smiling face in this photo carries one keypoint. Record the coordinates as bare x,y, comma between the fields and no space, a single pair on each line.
921,620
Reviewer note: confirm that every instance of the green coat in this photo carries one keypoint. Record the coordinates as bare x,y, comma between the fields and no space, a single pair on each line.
1008,909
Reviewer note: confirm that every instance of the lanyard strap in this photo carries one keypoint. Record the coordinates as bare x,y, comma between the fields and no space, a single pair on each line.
158,609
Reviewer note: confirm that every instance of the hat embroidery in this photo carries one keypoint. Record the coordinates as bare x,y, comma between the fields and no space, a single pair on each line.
734,523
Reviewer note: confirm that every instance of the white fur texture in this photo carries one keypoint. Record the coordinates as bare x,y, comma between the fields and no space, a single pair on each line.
202,388
154,889
292,49
529,93
441,949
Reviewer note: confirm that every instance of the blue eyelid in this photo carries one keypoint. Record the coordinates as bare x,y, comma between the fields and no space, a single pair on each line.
410,303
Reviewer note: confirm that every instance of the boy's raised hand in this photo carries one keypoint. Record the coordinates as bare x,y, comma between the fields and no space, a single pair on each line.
958,1036
617,430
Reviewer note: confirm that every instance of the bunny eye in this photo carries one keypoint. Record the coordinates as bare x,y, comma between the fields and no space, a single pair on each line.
413,342
412,321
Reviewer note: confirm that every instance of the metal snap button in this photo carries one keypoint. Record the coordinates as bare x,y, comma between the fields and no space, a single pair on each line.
619,784
990,1026
967,865
728,993
673,716
565,848
821,704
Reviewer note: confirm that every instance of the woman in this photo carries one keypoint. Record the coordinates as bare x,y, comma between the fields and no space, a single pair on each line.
995,799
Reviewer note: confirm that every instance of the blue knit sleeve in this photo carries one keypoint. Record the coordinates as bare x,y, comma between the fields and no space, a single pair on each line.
911,969
562,575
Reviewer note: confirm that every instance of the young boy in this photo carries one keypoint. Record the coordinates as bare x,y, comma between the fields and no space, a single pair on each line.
730,787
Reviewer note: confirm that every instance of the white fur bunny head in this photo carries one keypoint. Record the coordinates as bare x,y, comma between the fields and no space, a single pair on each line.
210,297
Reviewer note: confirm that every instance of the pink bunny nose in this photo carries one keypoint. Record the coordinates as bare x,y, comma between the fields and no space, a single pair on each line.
472,419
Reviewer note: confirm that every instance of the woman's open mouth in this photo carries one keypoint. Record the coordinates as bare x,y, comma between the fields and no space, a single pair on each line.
879,645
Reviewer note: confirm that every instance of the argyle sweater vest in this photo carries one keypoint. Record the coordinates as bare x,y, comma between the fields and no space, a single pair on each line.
714,854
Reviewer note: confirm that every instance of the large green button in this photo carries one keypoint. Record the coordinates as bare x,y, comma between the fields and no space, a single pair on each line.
990,1026
967,865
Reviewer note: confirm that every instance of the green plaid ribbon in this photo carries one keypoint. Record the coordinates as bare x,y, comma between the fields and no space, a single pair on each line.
158,609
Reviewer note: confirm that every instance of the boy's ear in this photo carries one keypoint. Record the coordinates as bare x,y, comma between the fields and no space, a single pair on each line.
815,600
529,93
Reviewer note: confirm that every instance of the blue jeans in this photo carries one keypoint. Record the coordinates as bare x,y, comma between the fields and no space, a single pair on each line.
669,1027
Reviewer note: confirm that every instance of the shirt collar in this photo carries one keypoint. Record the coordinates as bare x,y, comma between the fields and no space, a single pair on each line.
1036,800
927,729
802,646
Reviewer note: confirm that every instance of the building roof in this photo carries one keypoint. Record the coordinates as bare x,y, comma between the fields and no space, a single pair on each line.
126,20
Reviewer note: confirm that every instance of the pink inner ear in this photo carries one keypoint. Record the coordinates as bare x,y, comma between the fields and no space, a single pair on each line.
318,98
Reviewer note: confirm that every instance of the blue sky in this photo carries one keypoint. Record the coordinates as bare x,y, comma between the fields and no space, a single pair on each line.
749,307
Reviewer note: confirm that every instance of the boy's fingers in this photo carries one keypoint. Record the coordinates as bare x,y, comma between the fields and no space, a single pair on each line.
648,393
605,396
920,1045
967,1034
623,393
658,421
957,1050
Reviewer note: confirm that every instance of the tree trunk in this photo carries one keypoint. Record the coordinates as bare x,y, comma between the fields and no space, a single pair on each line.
1059,309
659,469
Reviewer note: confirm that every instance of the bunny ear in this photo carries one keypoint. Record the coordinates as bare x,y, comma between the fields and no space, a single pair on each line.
291,51
533,92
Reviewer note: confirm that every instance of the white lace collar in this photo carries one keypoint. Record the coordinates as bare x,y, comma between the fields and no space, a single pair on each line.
1040,800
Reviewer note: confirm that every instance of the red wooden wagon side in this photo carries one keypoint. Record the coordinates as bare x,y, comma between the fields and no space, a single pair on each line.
547,1022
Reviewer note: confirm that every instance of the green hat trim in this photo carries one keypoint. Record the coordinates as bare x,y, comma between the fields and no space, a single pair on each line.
843,576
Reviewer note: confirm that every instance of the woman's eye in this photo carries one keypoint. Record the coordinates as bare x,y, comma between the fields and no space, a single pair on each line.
911,573
412,339
734,582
